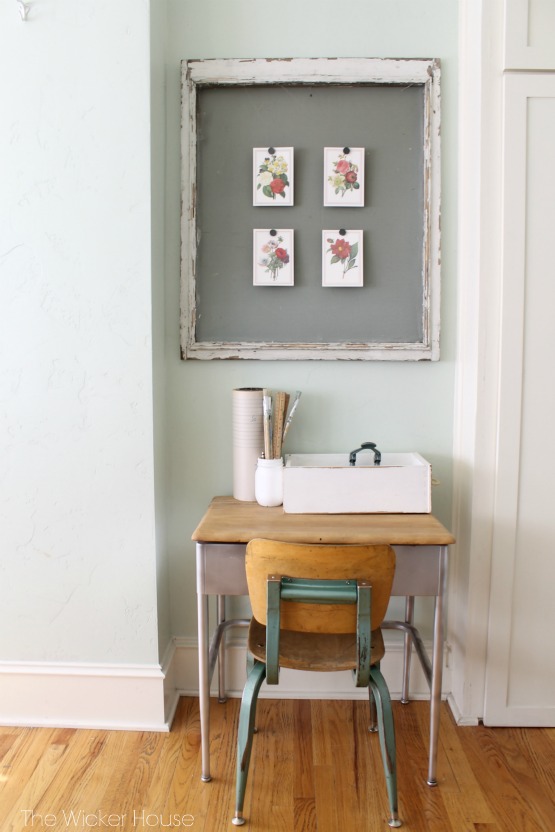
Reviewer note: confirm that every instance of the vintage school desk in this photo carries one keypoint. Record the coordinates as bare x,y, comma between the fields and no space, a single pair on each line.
420,542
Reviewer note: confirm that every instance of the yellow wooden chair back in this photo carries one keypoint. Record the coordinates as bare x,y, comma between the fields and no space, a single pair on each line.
372,563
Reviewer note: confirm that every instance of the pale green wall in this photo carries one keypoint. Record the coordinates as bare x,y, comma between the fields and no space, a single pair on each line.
77,524
158,33
402,406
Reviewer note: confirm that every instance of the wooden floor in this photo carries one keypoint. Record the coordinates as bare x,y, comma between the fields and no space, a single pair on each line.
315,768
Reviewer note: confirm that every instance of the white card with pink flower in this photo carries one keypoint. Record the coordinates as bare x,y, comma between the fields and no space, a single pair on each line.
344,177
273,257
272,176
342,258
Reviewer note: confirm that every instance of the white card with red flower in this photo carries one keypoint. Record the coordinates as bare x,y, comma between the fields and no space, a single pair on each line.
344,177
273,257
342,258
272,176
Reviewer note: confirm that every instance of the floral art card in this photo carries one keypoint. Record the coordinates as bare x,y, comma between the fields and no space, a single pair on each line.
342,258
272,176
344,177
273,257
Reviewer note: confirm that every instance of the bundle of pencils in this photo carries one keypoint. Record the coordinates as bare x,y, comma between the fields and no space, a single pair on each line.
277,420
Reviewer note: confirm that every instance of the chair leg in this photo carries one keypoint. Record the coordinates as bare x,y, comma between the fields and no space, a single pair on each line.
386,730
246,730
250,664
373,725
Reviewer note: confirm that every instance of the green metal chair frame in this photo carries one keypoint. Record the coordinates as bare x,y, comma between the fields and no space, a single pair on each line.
366,674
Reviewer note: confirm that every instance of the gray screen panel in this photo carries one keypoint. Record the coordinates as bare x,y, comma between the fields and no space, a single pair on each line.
388,121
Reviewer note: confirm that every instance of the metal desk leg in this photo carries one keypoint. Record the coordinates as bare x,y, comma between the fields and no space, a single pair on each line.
407,650
203,672
221,652
204,685
437,668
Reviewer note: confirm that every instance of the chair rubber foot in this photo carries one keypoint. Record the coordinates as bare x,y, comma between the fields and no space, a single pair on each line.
373,729
222,700
431,782
238,820
206,778
405,701
395,822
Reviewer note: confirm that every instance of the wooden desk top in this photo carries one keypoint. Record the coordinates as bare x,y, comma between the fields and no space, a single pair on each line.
233,521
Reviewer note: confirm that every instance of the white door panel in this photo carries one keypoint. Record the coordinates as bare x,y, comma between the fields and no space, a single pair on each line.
520,670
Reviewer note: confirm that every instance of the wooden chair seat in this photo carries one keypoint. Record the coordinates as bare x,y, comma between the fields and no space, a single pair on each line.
313,651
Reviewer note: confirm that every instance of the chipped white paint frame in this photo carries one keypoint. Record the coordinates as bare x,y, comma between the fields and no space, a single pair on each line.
314,71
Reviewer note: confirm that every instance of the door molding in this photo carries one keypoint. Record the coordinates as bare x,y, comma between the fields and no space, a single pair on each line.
478,323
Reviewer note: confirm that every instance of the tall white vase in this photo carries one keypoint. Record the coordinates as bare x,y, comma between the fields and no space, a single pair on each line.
248,440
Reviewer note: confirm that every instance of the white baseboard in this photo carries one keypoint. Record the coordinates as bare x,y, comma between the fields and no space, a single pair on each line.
145,697
171,693
299,684
100,696
459,718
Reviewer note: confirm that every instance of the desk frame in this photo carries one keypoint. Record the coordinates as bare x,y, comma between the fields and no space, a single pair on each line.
421,571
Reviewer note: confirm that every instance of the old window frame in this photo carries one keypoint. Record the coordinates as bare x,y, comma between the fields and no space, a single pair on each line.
314,71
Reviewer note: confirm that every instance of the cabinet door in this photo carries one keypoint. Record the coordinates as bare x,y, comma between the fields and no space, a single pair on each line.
529,34
520,667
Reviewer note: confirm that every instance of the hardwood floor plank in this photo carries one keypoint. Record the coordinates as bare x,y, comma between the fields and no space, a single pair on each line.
305,819
221,806
19,766
517,788
338,724
303,779
199,794
315,768
176,764
326,805
322,745
131,760
273,752
463,797
177,771
23,809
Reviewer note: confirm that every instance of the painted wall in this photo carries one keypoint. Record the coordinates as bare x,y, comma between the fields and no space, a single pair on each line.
77,526
401,406
82,255
158,32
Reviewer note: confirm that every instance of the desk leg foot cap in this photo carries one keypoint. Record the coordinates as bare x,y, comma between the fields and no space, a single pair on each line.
431,782
405,701
238,820
222,700
205,778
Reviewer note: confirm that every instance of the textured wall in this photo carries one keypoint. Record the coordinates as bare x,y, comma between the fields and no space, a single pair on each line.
77,563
